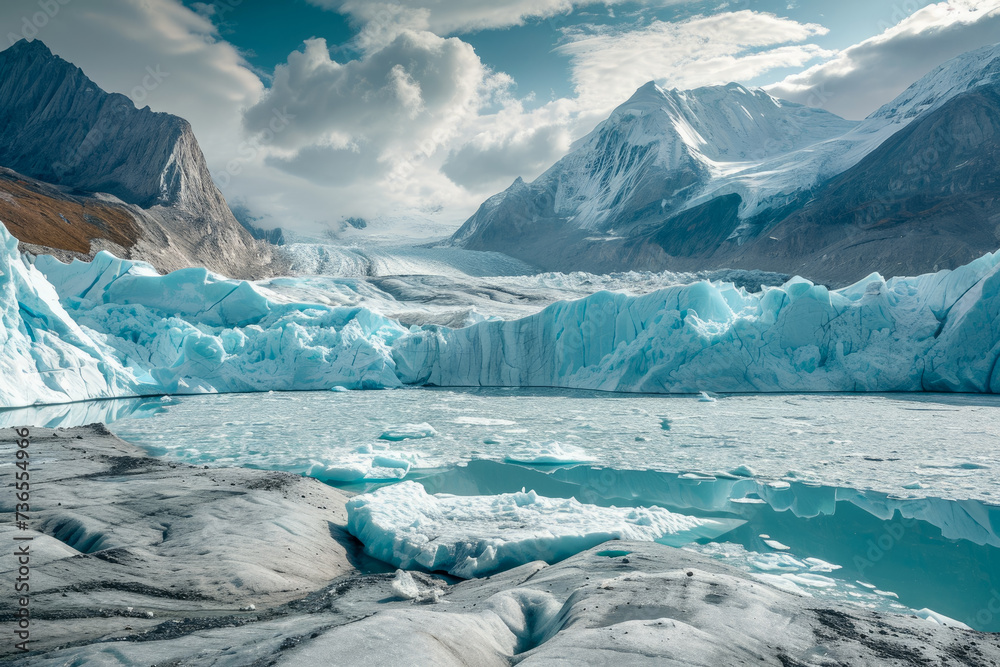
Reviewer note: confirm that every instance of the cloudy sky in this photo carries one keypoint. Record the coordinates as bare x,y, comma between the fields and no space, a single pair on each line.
312,111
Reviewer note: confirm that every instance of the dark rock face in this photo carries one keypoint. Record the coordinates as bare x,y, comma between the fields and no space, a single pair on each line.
58,127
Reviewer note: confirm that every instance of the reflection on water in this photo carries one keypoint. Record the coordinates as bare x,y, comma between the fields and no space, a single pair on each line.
68,415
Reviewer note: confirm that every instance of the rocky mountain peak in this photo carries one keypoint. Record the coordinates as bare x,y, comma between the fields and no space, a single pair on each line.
60,128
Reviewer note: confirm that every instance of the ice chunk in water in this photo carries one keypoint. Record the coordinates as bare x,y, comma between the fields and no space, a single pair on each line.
776,545
409,432
940,619
470,536
548,453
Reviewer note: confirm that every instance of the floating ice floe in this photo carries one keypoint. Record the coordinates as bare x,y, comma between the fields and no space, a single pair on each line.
940,619
368,463
409,432
470,536
776,545
548,453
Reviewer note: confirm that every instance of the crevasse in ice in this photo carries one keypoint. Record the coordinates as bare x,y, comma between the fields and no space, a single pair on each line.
114,327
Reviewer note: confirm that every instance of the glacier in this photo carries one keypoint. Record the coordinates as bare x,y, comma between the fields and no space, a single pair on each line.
936,332
114,327
47,357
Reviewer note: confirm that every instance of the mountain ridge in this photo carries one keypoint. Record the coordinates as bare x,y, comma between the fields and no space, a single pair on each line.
711,189
58,127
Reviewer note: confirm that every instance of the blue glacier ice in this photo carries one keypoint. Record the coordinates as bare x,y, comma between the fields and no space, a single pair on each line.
45,357
936,332
114,327
192,331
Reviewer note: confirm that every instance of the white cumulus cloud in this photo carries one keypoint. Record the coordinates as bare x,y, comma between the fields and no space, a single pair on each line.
609,63
384,120
859,79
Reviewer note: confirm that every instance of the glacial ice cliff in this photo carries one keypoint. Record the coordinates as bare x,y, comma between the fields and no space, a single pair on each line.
114,327
45,357
934,332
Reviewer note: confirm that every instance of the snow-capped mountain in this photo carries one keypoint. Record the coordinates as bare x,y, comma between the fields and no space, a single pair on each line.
660,145
928,196
695,179
654,154
140,175
959,75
